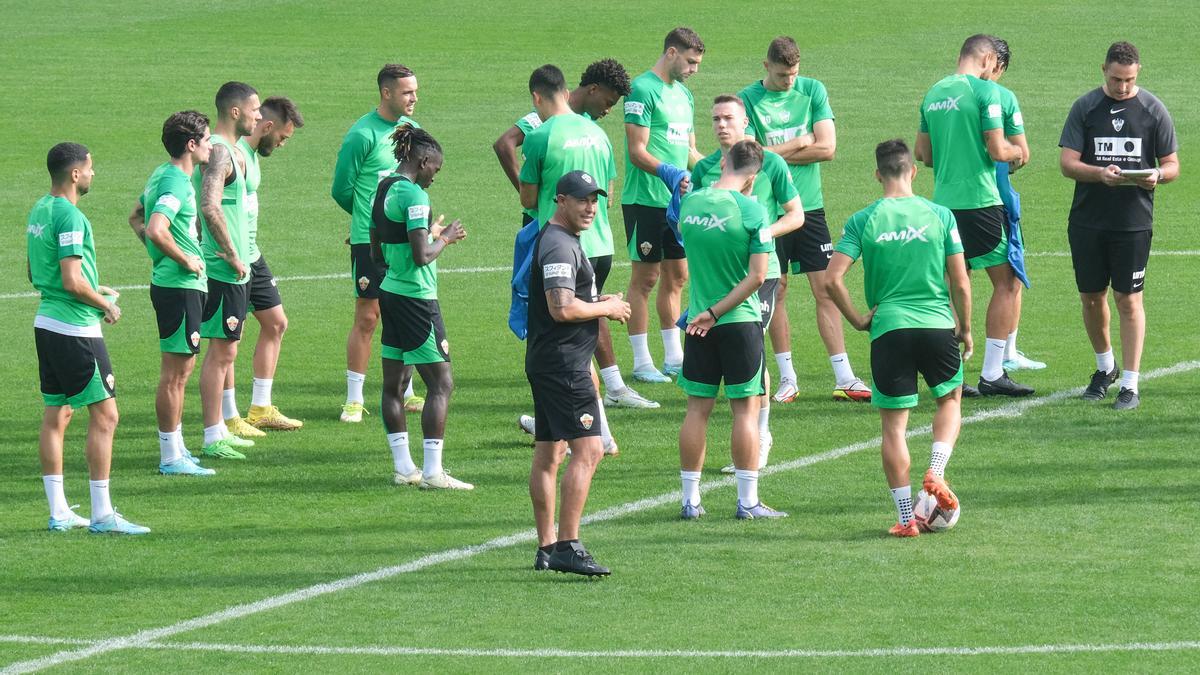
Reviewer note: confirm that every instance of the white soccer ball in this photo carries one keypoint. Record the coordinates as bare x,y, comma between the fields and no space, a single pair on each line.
932,517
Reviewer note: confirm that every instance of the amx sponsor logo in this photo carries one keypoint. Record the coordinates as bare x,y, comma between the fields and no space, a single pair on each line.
36,229
910,233
951,103
581,142
707,222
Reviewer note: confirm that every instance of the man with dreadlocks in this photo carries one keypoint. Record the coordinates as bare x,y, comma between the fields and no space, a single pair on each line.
407,245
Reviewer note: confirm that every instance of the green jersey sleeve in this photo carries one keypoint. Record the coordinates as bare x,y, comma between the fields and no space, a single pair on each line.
534,151
851,242
406,203
528,123
172,191
418,211
820,103
755,221
1014,122
703,172
991,109
640,103
922,125
953,241
782,185
355,148
70,226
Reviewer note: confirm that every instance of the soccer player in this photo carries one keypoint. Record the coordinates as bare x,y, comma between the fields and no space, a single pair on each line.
961,136
564,313
776,193
225,243
658,128
406,245
72,359
729,242
365,158
909,246
790,115
178,282
280,119
1014,131
1116,128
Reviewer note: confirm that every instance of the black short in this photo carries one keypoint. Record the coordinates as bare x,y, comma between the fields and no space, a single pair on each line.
766,300
180,312
649,237
984,235
807,249
224,310
366,274
413,330
565,406
601,266
1104,258
898,355
731,353
74,371
264,290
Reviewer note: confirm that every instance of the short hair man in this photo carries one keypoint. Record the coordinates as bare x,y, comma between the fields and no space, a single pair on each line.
178,282
790,115
364,158
961,136
658,129
564,313
1118,145
784,211
728,238
72,359
909,246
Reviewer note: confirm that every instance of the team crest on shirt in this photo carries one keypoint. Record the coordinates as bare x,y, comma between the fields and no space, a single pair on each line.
231,323
1118,124
446,347
785,116
363,282
645,247
195,338
110,381
586,420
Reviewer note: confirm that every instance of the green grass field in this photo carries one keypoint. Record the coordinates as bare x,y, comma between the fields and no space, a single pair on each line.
1077,546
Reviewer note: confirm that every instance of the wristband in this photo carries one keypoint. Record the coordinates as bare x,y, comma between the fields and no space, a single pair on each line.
714,315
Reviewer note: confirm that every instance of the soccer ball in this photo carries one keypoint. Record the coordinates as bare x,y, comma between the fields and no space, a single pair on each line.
930,516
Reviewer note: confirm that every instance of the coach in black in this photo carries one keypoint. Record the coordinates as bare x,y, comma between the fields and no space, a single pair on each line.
1118,145
564,321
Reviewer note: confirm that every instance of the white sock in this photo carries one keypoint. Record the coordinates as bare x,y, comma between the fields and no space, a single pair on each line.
764,418
993,360
786,370
641,352
613,382
260,395
168,451
408,391
215,433
59,509
843,374
354,385
672,346
433,457
605,432
904,506
101,504
1129,380
1010,347
691,487
939,457
401,459
229,404
747,486
178,436
1105,362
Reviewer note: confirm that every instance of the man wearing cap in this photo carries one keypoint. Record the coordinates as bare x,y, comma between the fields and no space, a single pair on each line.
564,314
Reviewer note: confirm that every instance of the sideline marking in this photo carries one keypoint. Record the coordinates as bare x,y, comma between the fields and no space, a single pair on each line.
149,636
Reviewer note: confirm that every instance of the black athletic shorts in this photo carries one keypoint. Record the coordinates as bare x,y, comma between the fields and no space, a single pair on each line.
648,235
74,371
766,301
984,235
601,266
898,355
366,274
1104,258
565,405
224,310
264,290
731,353
807,249
413,330
180,312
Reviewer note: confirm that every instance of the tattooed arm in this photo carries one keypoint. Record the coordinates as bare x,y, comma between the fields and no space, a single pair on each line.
212,186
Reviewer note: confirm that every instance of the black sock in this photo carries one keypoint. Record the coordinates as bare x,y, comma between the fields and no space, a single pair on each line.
565,544
548,548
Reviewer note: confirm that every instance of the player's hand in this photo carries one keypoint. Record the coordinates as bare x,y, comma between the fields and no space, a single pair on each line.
239,267
685,185
106,290
453,233
1111,176
1149,182
112,313
805,140
195,265
436,227
968,344
864,321
701,324
618,309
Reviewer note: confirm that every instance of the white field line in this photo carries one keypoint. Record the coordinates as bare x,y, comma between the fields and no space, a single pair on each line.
507,268
153,635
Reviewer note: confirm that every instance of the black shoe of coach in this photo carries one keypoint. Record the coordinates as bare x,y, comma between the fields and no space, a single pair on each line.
576,560
1003,386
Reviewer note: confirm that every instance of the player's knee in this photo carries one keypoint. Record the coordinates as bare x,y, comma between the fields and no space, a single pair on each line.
1128,303
277,326
643,282
105,416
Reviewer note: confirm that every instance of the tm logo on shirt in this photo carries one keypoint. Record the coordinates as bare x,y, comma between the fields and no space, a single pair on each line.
909,234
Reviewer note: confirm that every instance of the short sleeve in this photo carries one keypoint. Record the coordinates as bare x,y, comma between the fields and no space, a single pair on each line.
991,110
1164,136
559,264
1014,121
70,228
170,199
754,220
640,104
1073,133
528,123
416,210
922,125
851,242
612,162
534,150
781,181
953,241
819,103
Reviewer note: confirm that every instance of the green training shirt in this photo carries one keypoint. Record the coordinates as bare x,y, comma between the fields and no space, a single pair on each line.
406,205
527,124
904,243
668,111
780,116
772,188
955,113
237,220
1014,121
721,229
57,229
365,158
566,143
169,191
253,178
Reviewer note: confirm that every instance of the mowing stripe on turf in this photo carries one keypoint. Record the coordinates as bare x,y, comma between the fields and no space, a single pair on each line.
152,635
508,268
